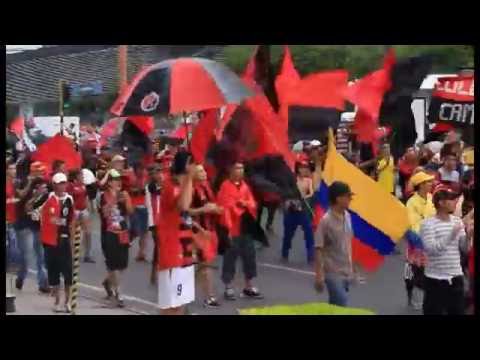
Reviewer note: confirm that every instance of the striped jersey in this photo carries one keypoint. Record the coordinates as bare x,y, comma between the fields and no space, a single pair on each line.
343,137
442,249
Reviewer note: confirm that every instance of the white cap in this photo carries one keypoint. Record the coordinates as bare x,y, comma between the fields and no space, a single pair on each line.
59,178
118,158
315,143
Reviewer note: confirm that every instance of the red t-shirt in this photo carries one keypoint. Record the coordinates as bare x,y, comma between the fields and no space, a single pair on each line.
79,193
175,240
51,234
11,215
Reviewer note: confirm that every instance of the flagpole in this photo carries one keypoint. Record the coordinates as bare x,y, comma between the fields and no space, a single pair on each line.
61,104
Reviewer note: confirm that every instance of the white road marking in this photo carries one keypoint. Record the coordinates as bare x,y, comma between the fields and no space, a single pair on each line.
285,268
149,303
126,297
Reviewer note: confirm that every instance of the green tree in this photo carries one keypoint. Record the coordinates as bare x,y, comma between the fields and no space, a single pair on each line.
357,59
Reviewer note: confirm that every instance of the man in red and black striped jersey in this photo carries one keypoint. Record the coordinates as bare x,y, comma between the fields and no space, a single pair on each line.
175,262
57,227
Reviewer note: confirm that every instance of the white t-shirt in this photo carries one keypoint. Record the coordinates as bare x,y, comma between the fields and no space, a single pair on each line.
445,175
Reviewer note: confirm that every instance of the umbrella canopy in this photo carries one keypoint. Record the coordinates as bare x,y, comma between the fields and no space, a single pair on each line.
180,85
58,148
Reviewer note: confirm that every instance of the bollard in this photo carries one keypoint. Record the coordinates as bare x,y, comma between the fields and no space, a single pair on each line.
75,268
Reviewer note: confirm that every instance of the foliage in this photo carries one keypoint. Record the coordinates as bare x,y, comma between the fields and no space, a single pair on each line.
306,309
358,59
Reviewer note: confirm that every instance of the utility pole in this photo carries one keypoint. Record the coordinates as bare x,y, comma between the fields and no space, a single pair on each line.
122,67
61,86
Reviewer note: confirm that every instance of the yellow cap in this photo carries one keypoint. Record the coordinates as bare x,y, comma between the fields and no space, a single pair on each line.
420,177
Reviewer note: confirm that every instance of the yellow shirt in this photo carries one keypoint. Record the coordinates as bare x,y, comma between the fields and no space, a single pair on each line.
419,209
386,177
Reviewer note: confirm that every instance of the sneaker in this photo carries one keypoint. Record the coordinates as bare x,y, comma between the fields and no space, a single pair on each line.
120,302
18,284
229,294
88,260
68,308
57,308
108,288
252,293
211,302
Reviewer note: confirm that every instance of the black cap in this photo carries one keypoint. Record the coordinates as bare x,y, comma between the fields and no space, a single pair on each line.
338,189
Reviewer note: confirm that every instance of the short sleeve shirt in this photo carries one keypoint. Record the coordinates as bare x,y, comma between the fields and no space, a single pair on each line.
334,236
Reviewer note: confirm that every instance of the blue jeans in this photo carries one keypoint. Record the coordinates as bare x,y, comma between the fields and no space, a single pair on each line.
338,288
139,222
291,220
23,237
13,251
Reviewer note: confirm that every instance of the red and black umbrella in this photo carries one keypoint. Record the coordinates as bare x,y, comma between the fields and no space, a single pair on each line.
178,86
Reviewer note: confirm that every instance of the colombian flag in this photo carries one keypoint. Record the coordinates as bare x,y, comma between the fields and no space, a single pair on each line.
379,220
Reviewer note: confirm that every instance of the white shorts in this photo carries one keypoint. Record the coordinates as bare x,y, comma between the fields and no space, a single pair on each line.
176,287
82,214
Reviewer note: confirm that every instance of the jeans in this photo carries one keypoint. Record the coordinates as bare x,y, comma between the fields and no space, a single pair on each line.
338,288
291,221
244,248
13,251
23,237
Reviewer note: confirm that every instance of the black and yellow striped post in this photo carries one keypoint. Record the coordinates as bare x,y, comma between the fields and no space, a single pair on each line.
75,268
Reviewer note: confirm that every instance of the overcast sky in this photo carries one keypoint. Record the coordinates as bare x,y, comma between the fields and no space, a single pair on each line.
12,48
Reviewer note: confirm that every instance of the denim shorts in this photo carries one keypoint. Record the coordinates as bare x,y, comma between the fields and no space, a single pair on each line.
139,221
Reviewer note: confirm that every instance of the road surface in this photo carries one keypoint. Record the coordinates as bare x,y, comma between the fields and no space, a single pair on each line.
281,283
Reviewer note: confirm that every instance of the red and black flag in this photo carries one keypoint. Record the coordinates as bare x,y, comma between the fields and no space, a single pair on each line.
315,104
286,79
453,104
396,112
260,70
384,98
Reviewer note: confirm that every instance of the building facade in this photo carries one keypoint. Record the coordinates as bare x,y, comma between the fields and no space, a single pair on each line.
33,77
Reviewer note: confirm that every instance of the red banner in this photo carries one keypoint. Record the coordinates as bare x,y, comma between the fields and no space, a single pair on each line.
458,88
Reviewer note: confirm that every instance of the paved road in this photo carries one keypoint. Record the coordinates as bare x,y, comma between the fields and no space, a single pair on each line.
290,283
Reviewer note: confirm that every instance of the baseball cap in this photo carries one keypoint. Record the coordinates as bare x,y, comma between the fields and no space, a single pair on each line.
443,192
420,178
59,178
338,189
315,143
118,158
